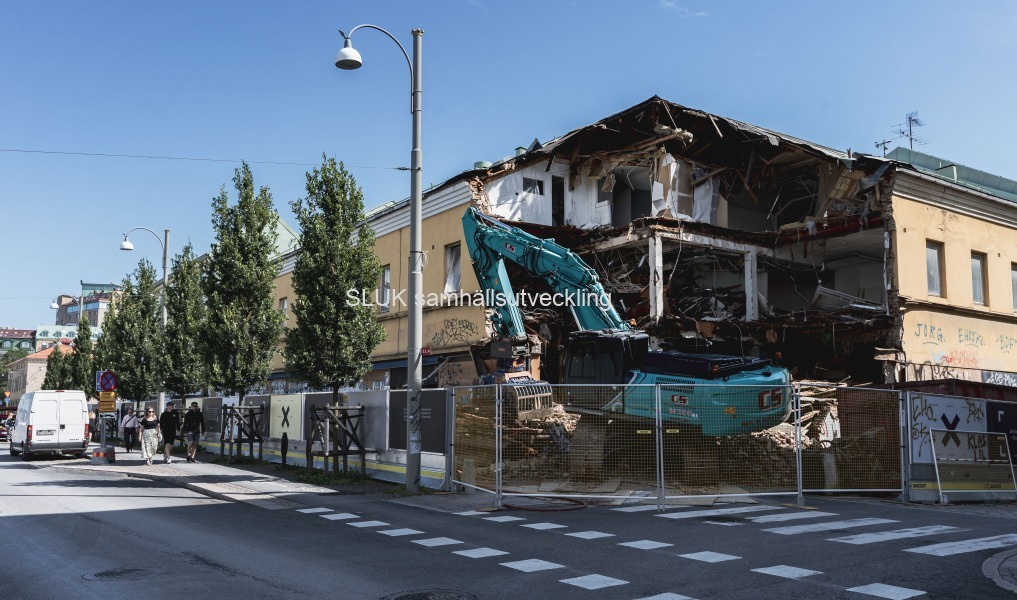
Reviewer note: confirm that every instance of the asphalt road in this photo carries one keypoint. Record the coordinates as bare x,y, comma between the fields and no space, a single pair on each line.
66,533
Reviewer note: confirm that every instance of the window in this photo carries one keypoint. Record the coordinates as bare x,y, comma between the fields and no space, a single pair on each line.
27,344
978,278
1013,284
934,268
385,288
583,364
6,344
284,305
533,186
43,334
453,253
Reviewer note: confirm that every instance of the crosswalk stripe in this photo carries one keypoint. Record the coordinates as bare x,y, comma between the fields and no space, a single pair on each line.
400,532
593,582
895,534
724,523
717,511
787,572
668,596
710,557
438,541
964,546
645,544
368,524
503,519
637,508
471,513
311,511
531,565
890,592
793,516
542,526
589,535
479,552
340,516
828,526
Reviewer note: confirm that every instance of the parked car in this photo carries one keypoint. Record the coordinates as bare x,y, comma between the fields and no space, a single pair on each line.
50,422
4,432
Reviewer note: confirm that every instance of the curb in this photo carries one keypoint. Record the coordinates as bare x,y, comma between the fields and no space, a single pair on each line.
1002,569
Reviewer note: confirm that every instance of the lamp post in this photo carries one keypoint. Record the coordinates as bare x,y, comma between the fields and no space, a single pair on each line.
127,246
348,59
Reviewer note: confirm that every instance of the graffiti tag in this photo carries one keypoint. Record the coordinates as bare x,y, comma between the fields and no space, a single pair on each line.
454,330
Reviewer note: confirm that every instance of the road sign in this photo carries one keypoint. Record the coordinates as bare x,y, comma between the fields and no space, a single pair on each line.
107,402
107,381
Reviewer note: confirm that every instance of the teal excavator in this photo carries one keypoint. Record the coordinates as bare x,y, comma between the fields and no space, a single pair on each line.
715,395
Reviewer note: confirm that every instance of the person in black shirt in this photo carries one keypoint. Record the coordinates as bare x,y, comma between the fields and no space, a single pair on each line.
169,425
194,428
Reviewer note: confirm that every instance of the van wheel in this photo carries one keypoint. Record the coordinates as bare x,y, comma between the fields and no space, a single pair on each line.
13,451
25,455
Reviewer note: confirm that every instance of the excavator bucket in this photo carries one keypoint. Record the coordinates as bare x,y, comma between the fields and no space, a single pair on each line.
530,401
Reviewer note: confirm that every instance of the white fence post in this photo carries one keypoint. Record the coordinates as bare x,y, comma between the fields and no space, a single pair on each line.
498,450
797,399
660,449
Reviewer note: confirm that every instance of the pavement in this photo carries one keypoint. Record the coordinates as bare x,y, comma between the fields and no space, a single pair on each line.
251,484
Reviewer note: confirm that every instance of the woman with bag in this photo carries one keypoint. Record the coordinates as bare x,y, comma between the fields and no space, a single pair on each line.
149,435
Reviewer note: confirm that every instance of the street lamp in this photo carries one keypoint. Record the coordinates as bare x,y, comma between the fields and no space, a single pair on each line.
348,59
127,246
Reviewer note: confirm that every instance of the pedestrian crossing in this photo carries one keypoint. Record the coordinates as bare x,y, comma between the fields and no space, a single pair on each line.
820,522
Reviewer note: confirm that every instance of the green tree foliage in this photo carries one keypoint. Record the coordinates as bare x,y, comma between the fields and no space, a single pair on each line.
243,326
132,343
332,341
185,321
58,370
82,362
5,362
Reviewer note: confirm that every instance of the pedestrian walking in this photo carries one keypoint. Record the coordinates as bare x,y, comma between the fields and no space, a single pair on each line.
169,425
149,435
194,428
129,427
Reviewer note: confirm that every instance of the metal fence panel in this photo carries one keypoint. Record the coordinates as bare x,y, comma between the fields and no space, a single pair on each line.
851,439
475,437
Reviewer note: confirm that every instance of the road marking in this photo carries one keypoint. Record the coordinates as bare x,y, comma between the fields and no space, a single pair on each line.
717,511
724,523
479,552
368,524
340,516
896,534
543,526
400,532
794,516
828,526
471,513
668,596
593,582
890,592
951,548
311,511
531,565
589,535
787,572
645,544
710,557
504,519
438,541
637,508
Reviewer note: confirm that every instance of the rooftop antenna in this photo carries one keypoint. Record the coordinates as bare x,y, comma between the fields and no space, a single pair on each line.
884,144
912,121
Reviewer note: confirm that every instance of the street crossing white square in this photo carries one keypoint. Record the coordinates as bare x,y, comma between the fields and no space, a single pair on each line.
828,526
895,534
890,592
724,523
645,545
479,552
311,511
593,582
589,535
793,516
786,572
340,516
438,541
504,519
668,596
710,557
400,532
544,526
964,546
368,524
637,508
717,512
471,513
532,565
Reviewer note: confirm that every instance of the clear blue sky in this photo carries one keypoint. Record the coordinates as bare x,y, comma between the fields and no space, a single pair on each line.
254,80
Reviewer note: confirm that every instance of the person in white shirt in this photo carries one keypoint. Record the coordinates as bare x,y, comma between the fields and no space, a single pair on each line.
129,427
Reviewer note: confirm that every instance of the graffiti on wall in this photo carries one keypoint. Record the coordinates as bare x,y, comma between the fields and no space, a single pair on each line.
940,346
948,416
454,330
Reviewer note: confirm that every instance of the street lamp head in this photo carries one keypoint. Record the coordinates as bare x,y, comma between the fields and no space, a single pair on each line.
53,305
126,244
348,58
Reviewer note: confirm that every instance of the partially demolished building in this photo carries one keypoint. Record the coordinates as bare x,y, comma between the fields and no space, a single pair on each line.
718,235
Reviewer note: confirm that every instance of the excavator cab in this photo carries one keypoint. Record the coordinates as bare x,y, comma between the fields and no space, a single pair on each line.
604,357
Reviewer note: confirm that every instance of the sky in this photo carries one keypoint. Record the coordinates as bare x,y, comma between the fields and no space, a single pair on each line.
211,83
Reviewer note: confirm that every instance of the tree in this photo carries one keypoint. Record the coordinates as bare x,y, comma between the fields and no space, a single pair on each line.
332,341
5,362
131,343
82,362
242,328
57,371
185,320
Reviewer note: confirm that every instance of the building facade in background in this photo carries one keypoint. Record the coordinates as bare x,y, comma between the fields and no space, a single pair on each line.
16,339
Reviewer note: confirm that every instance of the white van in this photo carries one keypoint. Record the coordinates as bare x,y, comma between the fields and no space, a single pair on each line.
51,421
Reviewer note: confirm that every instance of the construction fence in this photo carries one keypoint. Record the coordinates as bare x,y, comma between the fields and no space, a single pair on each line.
665,442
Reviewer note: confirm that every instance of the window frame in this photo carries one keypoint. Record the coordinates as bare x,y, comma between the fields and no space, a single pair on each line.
385,289
454,289
940,249
1013,285
535,183
983,278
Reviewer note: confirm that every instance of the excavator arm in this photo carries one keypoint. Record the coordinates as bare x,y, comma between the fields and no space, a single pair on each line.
576,285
